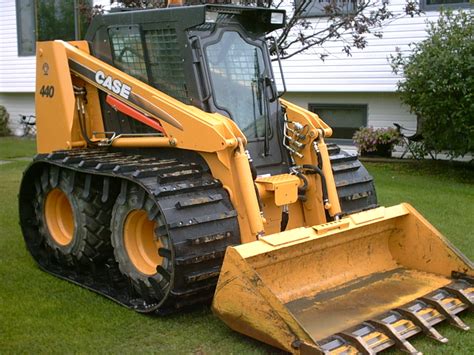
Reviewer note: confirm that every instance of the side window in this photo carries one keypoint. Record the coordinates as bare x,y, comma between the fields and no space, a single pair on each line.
127,51
166,63
236,68
434,5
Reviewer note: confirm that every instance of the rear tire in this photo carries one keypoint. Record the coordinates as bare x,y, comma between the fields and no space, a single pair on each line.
143,256
75,227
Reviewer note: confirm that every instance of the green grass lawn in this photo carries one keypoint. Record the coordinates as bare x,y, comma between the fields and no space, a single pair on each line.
42,314
12,147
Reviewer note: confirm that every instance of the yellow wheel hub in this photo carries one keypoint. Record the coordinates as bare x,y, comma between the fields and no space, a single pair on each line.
141,243
59,217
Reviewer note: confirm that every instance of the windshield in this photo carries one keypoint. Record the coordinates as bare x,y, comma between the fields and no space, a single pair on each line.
236,70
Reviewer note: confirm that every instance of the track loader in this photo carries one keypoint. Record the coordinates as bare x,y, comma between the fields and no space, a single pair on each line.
170,173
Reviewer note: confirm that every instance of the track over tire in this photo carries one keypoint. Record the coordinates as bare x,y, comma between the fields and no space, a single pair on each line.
355,186
73,224
142,256
172,195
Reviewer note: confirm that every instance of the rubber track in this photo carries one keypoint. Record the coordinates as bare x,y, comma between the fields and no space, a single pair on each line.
201,222
355,186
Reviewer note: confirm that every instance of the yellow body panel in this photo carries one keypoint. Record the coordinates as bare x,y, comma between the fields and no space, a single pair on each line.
54,134
283,188
56,114
312,282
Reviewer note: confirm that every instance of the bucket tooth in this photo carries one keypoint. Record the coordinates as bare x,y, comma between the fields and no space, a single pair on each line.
309,349
452,318
392,333
461,293
421,323
463,277
357,342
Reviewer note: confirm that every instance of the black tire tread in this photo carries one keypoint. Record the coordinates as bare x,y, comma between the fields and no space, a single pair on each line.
355,186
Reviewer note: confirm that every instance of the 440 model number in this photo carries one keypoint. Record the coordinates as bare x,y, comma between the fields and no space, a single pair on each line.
47,91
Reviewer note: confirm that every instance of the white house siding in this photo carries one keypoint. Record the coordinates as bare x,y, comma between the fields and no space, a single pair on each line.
18,104
366,70
17,74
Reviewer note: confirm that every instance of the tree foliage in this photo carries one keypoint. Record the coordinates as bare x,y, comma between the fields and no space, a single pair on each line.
438,83
351,28
301,33
55,19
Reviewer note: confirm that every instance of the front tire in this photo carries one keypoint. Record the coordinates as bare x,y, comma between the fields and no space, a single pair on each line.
141,247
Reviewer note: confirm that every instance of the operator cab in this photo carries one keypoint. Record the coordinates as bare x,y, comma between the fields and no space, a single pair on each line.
213,57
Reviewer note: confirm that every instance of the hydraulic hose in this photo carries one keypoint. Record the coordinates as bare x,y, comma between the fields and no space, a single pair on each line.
79,93
318,171
302,189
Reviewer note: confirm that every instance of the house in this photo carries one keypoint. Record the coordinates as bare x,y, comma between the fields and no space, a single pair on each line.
358,90
22,22
347,92
17,72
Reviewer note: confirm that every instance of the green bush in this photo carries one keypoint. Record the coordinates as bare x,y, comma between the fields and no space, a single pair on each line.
4,116
439,82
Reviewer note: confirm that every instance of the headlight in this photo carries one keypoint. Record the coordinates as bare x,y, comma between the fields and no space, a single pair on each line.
277,18
211,17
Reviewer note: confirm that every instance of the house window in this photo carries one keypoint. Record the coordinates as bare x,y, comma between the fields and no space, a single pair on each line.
434,5
44,20
343,119
318,8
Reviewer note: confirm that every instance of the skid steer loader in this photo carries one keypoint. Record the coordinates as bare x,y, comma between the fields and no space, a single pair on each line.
170,173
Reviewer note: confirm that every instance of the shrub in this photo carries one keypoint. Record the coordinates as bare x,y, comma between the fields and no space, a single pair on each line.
4,116
368,138
439,83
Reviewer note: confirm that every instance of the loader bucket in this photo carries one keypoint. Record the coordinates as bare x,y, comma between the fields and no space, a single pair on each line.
358,285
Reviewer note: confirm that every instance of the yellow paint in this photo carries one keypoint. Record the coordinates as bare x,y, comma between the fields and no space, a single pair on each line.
244,176
59,217
141,243
54,115
142,142
284,188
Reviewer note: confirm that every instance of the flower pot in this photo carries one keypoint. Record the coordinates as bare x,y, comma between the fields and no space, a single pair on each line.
381,150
